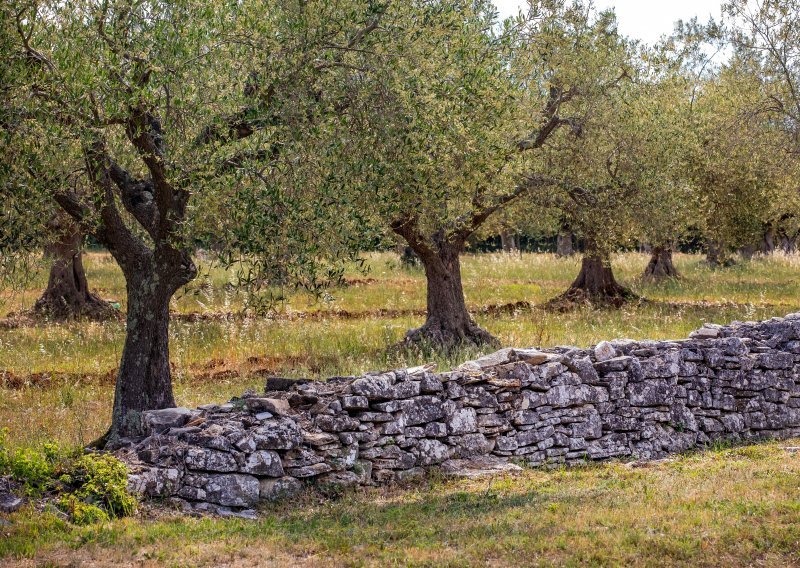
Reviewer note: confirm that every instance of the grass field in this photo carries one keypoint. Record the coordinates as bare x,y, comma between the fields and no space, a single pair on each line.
737,506
729,507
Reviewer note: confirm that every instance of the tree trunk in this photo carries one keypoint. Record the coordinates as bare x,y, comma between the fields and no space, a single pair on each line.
717,254
564,246
448,323
768,243
408,258
787,244
660,266
509,241
595,284
144,380
67,295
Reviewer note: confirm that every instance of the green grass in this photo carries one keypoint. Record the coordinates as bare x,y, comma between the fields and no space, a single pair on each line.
735,506
727,507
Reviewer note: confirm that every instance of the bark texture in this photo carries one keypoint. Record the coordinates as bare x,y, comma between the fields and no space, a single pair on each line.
144,380
717,255
564,246
509,241
67,295
595,285
768,241
448,323
660,266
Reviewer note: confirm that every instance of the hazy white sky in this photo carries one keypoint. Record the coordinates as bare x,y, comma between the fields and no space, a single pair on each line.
646,20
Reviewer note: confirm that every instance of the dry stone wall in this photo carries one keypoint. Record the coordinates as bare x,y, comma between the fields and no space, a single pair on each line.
619,399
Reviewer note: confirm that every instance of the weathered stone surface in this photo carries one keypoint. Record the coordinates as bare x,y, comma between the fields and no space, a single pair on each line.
205,459
264,462
231,490
157,421
644,399
309,470
355,403
374,387
462,421
276,406
10,503
340,423
604,351
568,395
154,481
430,452
655,392
281,488
283,434
422,409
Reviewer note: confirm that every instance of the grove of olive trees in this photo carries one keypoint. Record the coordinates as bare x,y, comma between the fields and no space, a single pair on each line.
290,137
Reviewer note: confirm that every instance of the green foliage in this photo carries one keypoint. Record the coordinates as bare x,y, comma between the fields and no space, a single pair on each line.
90,487
35,468
80,512
101,481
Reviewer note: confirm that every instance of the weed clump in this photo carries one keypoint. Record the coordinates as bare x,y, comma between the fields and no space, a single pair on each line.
89,488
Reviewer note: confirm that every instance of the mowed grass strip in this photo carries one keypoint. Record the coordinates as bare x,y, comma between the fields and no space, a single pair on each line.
737,506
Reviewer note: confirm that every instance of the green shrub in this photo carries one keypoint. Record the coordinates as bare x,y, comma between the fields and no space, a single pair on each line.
31,467
80,512
92,487
103,481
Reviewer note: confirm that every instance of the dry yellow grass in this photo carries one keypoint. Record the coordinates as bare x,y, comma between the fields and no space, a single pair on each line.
726,507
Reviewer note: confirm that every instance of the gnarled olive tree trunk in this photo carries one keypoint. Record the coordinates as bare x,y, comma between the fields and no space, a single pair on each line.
67,295
448,323
660,266
595,283
144,380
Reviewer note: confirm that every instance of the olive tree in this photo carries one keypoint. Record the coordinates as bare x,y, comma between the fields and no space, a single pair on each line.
150,118
455,131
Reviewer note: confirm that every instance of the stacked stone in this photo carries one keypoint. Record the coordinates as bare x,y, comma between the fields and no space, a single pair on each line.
619,399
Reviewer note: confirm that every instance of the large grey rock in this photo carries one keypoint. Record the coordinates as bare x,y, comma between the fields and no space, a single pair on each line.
422,409
157,421
283,434
276,406
10,503
281,488
462,421
430,452
264,462
339,423
708,331
309,470
205,459
569,395
604,351
374,387
654,392
231,490
154,481
487,361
